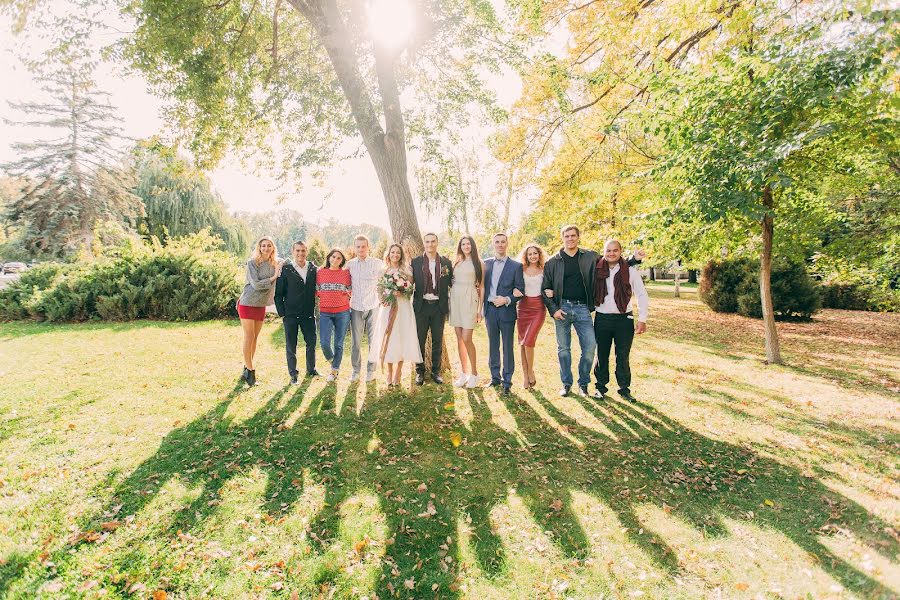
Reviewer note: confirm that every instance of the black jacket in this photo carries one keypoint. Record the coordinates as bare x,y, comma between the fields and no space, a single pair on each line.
293,297
443,290
554,272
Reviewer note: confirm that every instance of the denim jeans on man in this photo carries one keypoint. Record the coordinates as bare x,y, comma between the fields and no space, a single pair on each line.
333,325
577,315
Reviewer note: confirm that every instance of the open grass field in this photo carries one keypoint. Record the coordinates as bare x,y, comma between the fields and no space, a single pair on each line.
132,464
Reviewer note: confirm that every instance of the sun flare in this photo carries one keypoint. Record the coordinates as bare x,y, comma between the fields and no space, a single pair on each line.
390,22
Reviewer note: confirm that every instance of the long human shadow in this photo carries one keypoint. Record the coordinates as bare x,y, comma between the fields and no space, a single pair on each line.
426,485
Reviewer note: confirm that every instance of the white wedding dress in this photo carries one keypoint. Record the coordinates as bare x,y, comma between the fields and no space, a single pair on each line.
403,344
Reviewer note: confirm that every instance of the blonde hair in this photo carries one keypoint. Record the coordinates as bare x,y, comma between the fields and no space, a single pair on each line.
542,256
257,258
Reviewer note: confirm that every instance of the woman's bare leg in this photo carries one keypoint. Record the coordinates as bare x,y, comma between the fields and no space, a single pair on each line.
529,357
523,357
257,327
461,349
397,372
249,331
470,350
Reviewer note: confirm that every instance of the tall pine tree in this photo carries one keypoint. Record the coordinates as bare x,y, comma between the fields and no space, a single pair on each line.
76,179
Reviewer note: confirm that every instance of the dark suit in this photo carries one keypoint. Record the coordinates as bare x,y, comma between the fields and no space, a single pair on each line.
295,301
500,322
431,315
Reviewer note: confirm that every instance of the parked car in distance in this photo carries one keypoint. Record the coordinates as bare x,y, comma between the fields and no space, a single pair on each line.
14,267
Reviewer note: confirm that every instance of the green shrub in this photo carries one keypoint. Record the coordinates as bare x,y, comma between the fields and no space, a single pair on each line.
733,286
187,280
722,281
852,286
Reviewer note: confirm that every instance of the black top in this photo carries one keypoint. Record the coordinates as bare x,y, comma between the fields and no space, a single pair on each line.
443,288
573,281
295,297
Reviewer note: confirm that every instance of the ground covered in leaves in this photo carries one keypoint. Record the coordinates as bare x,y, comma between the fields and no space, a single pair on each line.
133,465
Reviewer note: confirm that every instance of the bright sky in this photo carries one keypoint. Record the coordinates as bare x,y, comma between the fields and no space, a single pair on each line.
350,194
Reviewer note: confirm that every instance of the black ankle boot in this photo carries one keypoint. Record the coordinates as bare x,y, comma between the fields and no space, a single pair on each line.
251,377
245,374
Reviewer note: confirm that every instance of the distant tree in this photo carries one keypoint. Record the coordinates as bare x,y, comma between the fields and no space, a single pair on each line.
72,182
179,200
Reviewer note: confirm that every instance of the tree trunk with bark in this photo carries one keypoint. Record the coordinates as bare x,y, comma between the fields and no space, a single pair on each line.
773,351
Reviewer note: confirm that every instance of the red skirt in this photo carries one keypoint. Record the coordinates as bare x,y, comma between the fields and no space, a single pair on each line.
256,313
532,313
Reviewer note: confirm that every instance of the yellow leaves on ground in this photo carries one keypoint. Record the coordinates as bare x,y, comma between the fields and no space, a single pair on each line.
455,439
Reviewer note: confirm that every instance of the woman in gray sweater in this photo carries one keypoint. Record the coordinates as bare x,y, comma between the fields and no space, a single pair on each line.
263,269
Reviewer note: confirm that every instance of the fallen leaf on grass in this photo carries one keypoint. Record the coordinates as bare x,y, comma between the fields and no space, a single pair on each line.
743,587
160,595
359,546
449,406
111,525
455,439
556,505
410,583
769,502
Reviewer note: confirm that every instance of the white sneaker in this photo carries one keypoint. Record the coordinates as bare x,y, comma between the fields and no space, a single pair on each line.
353,377
332,376
461,381
370,377
472,382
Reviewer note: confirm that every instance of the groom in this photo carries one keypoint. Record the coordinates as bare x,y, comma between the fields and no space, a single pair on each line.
502,276
432,275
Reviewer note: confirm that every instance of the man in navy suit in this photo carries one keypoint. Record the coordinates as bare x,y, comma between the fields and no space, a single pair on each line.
502,275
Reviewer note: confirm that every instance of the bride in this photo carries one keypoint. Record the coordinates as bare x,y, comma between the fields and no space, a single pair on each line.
395,340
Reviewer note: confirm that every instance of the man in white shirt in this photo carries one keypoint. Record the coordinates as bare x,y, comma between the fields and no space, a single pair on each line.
364,274
616,284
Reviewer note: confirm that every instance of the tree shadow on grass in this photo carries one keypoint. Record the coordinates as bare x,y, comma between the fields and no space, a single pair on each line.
425,485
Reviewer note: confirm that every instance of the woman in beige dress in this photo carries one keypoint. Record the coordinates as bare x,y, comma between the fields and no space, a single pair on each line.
466,297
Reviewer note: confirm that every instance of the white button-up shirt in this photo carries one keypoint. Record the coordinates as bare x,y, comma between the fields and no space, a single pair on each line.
364,275
637,291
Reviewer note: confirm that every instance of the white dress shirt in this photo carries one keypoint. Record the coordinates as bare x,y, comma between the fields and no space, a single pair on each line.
364,275
638,291
303,271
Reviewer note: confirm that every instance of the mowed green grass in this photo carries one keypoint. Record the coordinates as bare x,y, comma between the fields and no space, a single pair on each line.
132,463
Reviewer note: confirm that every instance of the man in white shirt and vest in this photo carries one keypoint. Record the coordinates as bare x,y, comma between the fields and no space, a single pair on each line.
364,274
616,284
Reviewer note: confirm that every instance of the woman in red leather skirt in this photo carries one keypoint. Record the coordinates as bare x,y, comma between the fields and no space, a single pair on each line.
532,311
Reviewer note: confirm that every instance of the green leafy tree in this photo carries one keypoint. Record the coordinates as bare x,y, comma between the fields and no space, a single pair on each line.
179,200
71,182
743,131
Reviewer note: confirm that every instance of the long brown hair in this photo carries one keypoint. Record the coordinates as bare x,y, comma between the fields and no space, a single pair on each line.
476,258
542,256
404,267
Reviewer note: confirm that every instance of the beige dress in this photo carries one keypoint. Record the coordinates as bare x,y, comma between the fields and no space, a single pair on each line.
464,296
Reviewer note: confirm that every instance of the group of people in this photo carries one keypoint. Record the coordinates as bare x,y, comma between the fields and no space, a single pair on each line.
395,303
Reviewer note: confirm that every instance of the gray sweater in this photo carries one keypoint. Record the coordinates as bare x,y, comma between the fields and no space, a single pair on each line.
259,289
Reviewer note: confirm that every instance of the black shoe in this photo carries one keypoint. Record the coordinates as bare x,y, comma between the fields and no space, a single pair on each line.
565,390
251,377
584,390
599,395
420,378
496,383
436,377
294,380
313,373
245,375
626,395
505,390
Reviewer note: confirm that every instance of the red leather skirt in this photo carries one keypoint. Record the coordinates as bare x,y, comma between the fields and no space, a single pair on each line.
532,313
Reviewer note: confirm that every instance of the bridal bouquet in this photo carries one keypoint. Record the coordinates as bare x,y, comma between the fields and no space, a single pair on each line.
393,283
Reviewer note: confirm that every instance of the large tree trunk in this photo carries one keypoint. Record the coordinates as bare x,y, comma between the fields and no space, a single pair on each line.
773,351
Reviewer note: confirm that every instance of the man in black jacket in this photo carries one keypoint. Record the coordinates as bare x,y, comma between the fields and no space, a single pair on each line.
295,301
569,297
432,275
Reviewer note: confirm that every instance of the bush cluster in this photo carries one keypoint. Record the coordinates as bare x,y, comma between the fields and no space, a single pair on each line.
186,280
732,285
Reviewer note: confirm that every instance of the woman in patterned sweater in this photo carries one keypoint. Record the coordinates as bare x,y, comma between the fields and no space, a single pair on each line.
333,287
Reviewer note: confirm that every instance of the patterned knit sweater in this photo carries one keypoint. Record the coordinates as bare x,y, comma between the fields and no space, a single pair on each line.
333,289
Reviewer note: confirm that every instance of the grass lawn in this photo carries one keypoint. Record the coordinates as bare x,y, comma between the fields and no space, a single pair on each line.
133,465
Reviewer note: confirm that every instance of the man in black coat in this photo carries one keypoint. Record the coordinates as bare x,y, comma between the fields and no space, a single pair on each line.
295,301
432,275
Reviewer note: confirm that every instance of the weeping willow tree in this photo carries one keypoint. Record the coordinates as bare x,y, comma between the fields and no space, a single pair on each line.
178,199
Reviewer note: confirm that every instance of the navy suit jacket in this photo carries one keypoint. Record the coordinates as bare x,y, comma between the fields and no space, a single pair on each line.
512,278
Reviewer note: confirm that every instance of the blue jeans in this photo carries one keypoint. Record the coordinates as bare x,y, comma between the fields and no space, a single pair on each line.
577,315
337,324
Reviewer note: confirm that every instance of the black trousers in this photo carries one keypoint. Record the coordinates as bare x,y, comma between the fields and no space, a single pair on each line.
430,318
293,325
609,329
